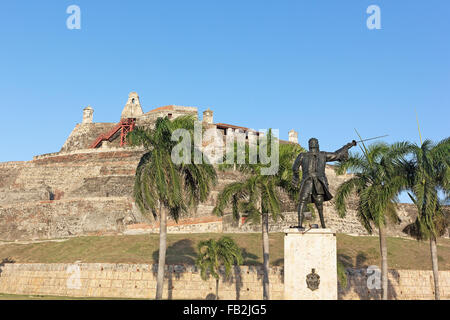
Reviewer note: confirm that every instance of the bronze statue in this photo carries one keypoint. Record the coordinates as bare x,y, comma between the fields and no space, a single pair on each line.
314,184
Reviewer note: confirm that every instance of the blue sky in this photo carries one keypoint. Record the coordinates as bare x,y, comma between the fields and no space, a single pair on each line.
279,64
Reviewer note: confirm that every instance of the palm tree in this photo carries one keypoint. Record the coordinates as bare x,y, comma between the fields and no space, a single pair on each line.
213,254
258,195
377,184
429,173
164,188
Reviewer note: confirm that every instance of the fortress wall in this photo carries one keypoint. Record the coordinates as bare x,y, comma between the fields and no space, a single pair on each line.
64,218
349,224
149,118
69,194
77,193
66,175
84,134
226,224
184,282
402,285
86,191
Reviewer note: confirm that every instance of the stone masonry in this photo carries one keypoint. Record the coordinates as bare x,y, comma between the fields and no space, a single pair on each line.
90,192
184,282
82,191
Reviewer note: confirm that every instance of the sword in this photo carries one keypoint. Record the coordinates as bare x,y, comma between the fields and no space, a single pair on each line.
373,138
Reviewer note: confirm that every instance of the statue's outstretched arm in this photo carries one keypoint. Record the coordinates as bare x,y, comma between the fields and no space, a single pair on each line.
340,154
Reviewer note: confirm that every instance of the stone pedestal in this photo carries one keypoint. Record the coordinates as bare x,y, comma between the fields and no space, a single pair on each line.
303,252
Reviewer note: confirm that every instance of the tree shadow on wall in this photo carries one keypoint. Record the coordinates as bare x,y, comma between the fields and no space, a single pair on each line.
252,262
235,277
254,265
278,262
238,274
250,259
362,281
178,255
5,261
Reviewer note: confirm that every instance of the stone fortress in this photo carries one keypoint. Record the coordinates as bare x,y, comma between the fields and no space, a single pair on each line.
86,187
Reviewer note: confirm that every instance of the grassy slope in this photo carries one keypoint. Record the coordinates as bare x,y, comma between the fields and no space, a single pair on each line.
182,249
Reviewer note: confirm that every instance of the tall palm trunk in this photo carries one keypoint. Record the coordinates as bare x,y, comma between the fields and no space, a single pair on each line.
265,238
162,252
384,263
434,261
217,289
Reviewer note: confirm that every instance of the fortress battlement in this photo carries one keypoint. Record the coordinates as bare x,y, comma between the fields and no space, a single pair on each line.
82,190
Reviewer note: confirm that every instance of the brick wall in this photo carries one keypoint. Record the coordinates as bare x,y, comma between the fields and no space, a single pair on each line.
184,282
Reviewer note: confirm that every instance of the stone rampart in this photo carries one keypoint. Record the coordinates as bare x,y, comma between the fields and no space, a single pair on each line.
65,218
90,191
184,282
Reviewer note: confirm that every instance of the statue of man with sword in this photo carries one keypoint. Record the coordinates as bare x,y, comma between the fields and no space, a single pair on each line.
314,183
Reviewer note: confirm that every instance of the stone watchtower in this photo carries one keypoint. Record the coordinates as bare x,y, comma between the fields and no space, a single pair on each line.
133,107
88,114
293,136
208,117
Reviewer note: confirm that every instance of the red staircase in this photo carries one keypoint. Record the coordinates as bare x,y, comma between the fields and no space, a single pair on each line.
125,125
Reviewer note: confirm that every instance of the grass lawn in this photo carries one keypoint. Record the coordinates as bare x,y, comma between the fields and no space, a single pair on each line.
182,249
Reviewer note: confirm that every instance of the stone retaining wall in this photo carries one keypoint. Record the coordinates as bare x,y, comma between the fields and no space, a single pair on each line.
403,285
132,281
184,282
